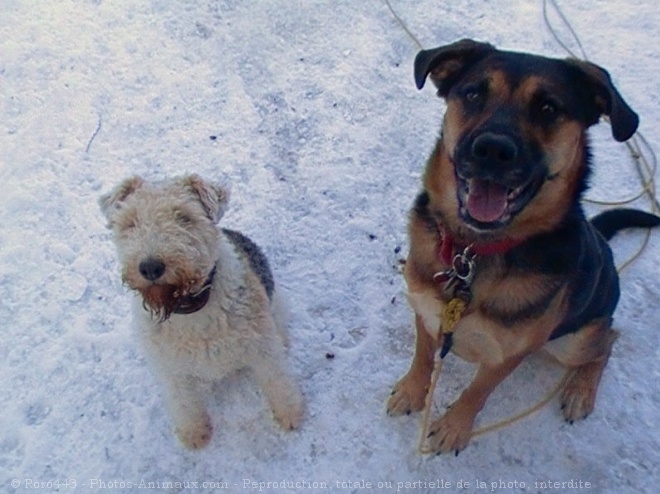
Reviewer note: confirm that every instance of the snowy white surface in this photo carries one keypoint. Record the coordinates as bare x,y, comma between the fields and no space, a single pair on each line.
322,136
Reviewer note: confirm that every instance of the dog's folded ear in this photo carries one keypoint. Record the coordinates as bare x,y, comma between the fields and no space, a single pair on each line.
606,100
214,198
447,63
110,202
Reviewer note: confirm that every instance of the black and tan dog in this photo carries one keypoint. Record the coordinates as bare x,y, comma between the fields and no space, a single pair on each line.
499,226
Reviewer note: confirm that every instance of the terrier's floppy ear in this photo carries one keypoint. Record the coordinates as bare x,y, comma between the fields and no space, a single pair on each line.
606,100
214,198
110,202
447,63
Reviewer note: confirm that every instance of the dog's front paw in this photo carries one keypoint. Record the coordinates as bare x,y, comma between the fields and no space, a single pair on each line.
195,435
289,413
452,432
407,396
578,398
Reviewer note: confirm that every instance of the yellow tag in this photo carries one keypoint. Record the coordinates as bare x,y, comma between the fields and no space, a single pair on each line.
451,314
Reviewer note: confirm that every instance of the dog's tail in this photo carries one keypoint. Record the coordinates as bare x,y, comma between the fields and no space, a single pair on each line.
608,223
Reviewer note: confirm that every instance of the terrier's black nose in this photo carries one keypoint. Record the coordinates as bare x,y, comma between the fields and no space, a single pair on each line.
152,269
495,148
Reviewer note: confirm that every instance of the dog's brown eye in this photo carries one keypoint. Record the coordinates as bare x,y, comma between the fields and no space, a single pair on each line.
472,95
475,94
548,108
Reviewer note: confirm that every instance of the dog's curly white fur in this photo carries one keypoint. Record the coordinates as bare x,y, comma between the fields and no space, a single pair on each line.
170,249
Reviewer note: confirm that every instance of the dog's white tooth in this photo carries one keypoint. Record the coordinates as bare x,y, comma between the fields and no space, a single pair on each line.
515,192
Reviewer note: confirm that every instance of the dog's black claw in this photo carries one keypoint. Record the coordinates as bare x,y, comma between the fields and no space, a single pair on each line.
456,452
408,412
563,405
430,434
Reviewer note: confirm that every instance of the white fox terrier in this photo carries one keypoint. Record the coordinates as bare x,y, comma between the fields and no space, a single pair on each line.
208,302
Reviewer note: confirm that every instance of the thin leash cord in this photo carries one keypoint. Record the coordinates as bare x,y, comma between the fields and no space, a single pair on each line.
567,24
428,403
403,25
646,171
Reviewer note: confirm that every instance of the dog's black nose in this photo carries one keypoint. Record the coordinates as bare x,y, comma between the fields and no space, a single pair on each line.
494,148
152,269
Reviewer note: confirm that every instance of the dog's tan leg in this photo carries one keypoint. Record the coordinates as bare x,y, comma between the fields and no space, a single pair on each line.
282,393
409,393
186,404
579,396
452,431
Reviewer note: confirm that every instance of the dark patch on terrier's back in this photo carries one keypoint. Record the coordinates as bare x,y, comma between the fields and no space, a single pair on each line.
258,261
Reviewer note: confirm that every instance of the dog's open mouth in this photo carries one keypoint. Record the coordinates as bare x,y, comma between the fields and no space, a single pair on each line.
488,205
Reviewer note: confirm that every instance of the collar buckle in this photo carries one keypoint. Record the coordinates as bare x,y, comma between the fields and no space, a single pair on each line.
462,270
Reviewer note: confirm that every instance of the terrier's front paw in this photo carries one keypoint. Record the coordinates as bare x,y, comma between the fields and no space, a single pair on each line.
195,435
289,414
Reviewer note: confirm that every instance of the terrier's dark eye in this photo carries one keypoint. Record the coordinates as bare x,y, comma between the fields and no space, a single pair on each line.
129,223
182,218
125,225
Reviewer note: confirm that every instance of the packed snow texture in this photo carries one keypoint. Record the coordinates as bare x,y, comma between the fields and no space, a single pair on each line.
308,111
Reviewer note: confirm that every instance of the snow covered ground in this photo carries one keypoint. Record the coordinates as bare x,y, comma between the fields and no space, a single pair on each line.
308,110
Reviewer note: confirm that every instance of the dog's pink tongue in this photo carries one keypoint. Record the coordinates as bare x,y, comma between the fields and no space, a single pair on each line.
486,201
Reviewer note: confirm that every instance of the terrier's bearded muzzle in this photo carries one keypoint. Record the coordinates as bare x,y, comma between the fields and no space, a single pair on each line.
170,291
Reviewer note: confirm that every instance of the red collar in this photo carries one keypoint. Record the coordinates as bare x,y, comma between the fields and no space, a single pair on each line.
447,248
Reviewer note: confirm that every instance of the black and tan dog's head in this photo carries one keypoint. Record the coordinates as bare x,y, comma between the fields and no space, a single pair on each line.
513,156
